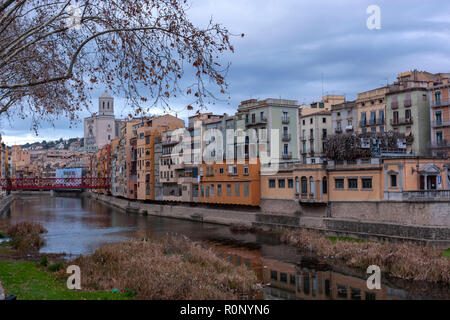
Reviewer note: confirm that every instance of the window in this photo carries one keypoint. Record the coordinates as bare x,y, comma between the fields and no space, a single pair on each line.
439,137
274,275
438,117
367,183
219,190
339,183
393,180
407,115
212,190
202,191
353,183
342,291
246,170
324,185
246,189
395,117
291,183
272,183
304,185
370,296
283,277
324,120
292,279
207,191
355,294
363,118
324,133
281,183
229,190
221,170
237,190
311,120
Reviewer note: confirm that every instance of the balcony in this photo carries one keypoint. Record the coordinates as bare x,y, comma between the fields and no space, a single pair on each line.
285,120
427,195
380,121
286,137
409,139
256,122
401,122
441,103
363,123
303,138
349,128
287,155
338,131
440,144
437,124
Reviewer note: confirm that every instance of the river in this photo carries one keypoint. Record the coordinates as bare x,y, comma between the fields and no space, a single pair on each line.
80,225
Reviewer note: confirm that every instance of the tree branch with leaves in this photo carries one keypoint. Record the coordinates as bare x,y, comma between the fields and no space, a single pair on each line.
54,53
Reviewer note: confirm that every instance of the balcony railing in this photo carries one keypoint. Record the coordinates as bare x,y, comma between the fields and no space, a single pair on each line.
440,144
407,103
285,120
441,103
436,124
256,122
402,121
287,137
427,195
287,155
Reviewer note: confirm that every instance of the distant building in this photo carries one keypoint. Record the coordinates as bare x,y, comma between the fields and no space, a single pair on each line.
102,127
440,119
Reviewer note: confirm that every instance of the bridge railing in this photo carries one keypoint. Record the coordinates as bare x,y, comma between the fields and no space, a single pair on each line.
54,183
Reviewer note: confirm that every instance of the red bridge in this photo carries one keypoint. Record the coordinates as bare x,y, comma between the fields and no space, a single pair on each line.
54,183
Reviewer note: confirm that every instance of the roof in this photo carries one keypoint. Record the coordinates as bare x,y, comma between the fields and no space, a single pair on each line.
106,95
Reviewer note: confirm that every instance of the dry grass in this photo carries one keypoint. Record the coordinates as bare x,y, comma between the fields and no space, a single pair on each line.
173,268
26,236
400,260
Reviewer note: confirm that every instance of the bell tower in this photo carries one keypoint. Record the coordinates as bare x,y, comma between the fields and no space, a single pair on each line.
106,105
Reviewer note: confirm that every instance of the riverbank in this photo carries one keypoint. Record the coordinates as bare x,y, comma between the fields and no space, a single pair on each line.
179,211
400,260
437,236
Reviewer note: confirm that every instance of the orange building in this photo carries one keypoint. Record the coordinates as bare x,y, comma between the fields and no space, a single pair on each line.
148,133
237,183
373,179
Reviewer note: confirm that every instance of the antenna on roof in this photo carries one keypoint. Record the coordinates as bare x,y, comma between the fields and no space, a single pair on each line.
322,84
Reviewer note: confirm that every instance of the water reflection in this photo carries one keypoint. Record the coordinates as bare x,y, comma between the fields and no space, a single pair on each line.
79,226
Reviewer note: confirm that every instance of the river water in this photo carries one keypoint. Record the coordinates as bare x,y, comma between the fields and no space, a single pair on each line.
80,225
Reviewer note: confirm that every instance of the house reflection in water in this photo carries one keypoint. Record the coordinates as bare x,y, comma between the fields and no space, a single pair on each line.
306,280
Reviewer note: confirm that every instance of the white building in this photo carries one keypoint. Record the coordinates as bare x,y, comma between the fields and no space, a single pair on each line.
101,127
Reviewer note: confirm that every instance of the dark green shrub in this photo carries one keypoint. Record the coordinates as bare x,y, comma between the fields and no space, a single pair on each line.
55,267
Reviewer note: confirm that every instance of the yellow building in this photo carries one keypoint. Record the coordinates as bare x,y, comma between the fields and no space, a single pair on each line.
371,110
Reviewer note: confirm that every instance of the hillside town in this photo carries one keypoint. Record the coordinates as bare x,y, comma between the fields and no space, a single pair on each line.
398,150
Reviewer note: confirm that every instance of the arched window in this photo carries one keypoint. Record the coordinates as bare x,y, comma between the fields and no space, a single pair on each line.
312,185
324,185
304,185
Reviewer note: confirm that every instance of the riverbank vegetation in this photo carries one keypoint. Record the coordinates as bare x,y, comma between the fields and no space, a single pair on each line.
28,281
173,268
26,236
401,260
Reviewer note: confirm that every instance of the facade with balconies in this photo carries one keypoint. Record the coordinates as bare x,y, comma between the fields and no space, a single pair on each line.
440,119
272,126
371,108
344,118
408,113
315,128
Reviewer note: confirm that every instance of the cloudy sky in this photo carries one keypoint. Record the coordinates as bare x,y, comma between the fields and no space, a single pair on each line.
291,45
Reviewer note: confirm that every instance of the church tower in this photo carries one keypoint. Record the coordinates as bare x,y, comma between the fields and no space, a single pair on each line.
106,105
